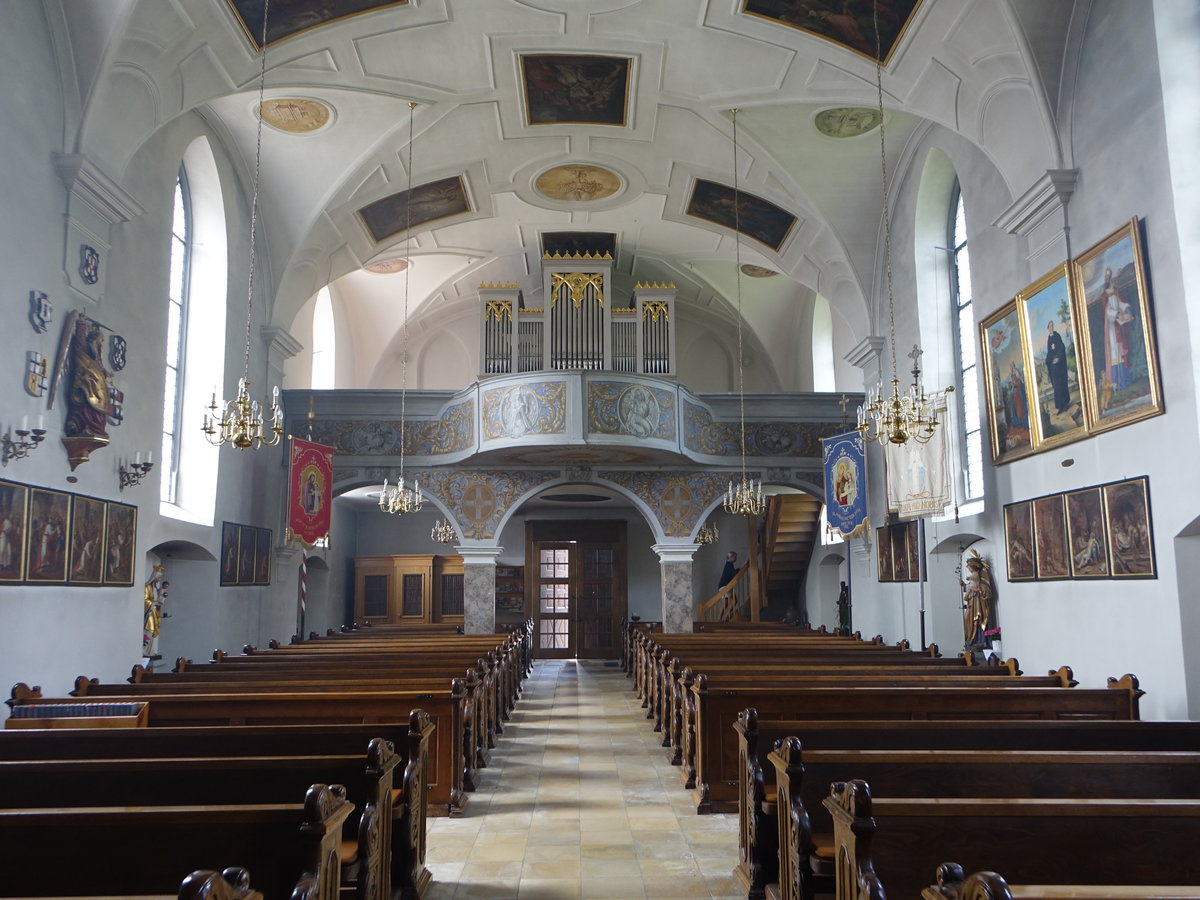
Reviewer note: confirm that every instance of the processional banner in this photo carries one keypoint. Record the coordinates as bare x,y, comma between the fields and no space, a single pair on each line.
845,465
310,491
918,475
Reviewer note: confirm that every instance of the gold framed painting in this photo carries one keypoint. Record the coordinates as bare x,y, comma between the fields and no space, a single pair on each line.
1113,310
120,540
1006,380
87,541
14,531
1087,533
1048,331
46,548
230,553
1130,528
1018,540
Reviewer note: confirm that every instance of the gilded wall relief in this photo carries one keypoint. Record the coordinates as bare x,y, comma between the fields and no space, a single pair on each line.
524,409
480,499
578,183
452,432
678,499
631,409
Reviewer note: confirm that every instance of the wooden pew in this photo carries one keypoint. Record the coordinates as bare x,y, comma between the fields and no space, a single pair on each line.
711,748
953,884
447,762
388,787
293,849
897,842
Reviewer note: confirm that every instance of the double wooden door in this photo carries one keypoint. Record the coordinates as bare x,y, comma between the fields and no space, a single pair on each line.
576,579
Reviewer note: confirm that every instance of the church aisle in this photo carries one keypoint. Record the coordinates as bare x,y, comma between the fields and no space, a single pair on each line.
580,802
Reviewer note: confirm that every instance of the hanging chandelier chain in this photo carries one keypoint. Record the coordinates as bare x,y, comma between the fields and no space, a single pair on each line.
883,180
407,270
737,254
262,86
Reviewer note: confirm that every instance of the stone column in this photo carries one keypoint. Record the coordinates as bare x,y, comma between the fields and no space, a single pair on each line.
479,588
678,605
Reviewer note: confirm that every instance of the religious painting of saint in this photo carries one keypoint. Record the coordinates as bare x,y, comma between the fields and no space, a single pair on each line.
288,17
14,506
575,89
1006,382
120,538
247,543
395,213
1050,538
758,218
850,23
46,553
883,553
1120,358
1087,534
86,564
230,536
913,542
1018,540
262,556
1048,325
1130,528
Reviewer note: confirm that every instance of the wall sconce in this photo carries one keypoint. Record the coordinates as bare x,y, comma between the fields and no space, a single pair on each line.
136,471
27,439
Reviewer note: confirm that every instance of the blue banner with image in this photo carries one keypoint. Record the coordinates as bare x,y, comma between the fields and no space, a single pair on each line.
845,465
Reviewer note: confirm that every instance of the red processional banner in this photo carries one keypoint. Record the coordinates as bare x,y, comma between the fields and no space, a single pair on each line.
310,491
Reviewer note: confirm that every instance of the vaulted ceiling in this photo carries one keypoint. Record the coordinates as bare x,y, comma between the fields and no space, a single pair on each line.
542,116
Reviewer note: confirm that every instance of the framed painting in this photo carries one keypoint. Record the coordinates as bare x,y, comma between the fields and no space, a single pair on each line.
120,537
573,89
1005,379
1050,538
262,555
913,541
86,565
14,529
287,19
899,540
1018,541
46,547
849,23
759,219
1115,316
1087,535
247,543
435,200
1048,327
883,552
230,538
1130,528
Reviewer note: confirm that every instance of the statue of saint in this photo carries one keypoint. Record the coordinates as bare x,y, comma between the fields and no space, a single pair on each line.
979,613
88,401
154,595
843,610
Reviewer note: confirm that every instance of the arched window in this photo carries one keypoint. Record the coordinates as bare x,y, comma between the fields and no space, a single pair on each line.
963,314
323,342
177,316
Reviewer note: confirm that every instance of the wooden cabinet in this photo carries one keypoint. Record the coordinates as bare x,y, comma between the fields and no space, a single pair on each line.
510,594
419,588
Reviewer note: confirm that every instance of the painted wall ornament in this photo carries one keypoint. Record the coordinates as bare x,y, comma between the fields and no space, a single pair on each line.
36,367
40,311
116,352
89,264
631,409
513,412
678,499
479,499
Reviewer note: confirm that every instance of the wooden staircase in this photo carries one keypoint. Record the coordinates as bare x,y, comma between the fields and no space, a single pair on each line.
789,535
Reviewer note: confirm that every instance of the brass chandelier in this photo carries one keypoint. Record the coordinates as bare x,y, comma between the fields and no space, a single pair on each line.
241,421
746,497
400,498
443,532
707,534
913,414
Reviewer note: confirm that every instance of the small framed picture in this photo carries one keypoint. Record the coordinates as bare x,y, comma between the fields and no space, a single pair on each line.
1048,326
46,549
120,537
1050,538
1114,314
899,539
883,552
230,553
1087,534
14,511
86,565
1006,382
1130,528
1018,540
247,543
262,555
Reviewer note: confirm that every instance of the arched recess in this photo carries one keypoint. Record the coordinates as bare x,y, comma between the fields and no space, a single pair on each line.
193,573
1187,571
823,610
706,366
932,259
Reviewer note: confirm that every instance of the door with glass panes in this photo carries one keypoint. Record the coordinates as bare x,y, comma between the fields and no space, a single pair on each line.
578,586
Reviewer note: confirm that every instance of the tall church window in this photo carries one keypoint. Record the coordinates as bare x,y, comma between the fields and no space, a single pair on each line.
177,309
963,312
323,342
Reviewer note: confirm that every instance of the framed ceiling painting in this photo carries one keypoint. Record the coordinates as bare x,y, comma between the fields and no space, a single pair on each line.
1050,538
1006,381
1130,528
1117,326
1087,535
757,218
850,23
1054,388
573,89
1018,540
289,18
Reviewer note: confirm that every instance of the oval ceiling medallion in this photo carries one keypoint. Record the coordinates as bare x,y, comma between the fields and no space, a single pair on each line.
387,266
578,183
296,115
754,271
847,121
